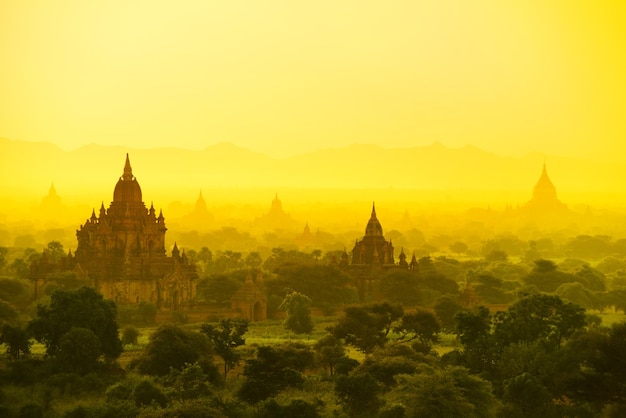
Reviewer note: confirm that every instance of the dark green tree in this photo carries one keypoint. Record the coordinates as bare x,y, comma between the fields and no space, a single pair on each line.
13,290
67,280
491,289
79,350
505,244
295,355
367,327
538,317
420,325
385,364
17,341
19,268
436,284
327,286
298,311
130,335
267,374
359,394
496,255
473,326
8,314
296,408
55,251
204,260
329,352
147,312
281,257
579,294
146,393
602,379
547,277
226,261
226,337
591,278
189,383
3,257
401,286
219,288
253,260
448,392
458,247
586,246
474,332
446,308
526,397
81,308
31,410
172,347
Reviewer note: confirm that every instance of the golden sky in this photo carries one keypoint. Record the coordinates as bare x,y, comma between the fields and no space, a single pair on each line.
284,76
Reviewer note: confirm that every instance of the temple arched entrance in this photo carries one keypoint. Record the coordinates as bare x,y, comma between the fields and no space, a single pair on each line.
258,313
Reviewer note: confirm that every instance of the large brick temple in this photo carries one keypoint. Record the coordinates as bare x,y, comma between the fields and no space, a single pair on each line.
373,249
122,251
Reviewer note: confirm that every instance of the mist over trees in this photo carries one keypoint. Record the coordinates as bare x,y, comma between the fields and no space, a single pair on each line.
518,360
500,323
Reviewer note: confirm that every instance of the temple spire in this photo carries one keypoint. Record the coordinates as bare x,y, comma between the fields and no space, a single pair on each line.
128,171
373,225
544,189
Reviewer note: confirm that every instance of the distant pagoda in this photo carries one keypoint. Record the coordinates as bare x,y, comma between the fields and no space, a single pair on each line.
276,218
544,201
199,218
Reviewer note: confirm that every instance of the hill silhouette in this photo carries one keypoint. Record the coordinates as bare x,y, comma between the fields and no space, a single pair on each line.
32,166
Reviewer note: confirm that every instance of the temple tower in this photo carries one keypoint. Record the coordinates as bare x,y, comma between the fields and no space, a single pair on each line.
373,249
122,250
544,201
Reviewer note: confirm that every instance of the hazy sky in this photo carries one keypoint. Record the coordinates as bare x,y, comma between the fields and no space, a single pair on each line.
288,76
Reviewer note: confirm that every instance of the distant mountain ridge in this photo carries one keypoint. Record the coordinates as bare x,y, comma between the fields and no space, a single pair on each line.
34,165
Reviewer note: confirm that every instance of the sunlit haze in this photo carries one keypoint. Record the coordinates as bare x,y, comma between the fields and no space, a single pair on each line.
330,208
284,77
428,108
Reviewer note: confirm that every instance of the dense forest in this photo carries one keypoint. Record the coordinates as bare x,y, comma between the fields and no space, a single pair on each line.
540,333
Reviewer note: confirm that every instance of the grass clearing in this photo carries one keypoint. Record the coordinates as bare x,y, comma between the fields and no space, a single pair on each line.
610,318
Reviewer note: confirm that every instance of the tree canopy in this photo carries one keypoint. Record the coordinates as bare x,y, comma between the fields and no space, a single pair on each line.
367,327
326,286
81,308
298,313
172,347
226,337
274,369
538,317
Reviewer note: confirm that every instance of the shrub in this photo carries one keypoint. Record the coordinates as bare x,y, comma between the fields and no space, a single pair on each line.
130,335
79,350
173,347
119,392
148,312
298,310
297,408
31,410
179,317
145,393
